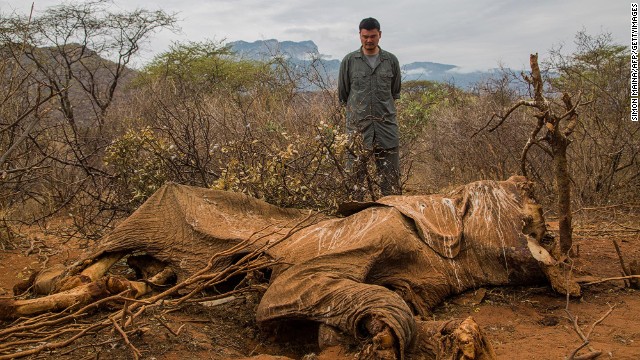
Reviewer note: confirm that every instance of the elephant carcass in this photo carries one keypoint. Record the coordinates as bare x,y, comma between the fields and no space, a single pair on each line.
399,257
369,275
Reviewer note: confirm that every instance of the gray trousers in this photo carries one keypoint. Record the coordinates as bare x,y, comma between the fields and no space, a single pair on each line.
387,171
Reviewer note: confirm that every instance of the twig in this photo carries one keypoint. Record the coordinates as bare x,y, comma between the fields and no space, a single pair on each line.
140,311
611,279
600,320
572,356
505,116
51,346
125,312
134,350
530,142
175,333
227,294
592,354
574,319
607,207
37,340
79,313
583,336
625,270
88,345
627,227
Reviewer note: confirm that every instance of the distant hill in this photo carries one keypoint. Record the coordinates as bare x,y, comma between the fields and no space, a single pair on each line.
300,53
264,49
444,73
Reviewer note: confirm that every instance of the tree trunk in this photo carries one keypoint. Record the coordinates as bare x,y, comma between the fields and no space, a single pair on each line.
559,144
563,188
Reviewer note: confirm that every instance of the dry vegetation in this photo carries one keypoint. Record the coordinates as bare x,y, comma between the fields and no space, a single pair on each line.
85,140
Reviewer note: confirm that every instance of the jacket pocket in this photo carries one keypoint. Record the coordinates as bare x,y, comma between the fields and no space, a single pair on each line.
384,81
359,82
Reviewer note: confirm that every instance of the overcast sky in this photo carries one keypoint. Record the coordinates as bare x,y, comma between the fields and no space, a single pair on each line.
473,34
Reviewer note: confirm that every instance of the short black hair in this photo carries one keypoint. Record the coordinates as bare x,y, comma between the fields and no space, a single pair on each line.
369,24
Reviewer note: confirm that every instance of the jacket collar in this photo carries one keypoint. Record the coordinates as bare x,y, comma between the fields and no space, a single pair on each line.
382,53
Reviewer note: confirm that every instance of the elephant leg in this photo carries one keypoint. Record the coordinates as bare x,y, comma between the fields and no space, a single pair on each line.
91,273
55,279
81,295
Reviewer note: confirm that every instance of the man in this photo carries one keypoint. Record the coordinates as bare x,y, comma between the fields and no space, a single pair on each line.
368,85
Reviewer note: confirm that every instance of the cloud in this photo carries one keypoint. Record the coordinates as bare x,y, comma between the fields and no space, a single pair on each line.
470,34
417,71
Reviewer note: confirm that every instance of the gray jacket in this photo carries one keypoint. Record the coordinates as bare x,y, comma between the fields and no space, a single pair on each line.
369,95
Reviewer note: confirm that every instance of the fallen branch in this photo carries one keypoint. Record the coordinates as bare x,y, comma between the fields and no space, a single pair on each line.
52,346
585,337
175,333
611,279
576,327
606,207
589,356
136,353
631,271
629,228
88,345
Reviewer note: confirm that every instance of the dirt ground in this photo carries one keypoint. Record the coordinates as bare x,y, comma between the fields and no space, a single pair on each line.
520,322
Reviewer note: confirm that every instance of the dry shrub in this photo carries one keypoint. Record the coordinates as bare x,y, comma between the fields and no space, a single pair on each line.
605,153
286,148
276,131
604,156
272,130
452,150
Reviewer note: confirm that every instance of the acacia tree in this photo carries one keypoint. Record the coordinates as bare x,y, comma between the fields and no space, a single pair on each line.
75,56
21,100
21,111
605,152
67,46
559,121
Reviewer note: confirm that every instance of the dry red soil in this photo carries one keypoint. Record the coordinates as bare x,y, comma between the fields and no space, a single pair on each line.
521,323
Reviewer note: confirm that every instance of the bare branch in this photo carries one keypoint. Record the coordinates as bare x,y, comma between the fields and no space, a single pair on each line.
136,353
538,85
530,142
505,116
571,113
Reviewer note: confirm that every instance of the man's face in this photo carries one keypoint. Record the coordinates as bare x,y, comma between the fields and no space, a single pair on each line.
370,39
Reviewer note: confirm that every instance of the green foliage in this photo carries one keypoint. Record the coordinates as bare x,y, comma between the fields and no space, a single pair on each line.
594,68
417,103
138,161
205,66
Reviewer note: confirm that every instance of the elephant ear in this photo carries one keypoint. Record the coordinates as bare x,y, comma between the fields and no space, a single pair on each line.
352,207
438,220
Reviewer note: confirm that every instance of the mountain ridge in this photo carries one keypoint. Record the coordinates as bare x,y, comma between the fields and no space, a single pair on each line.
302,52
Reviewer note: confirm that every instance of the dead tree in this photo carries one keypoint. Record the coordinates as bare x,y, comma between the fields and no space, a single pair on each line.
559,125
